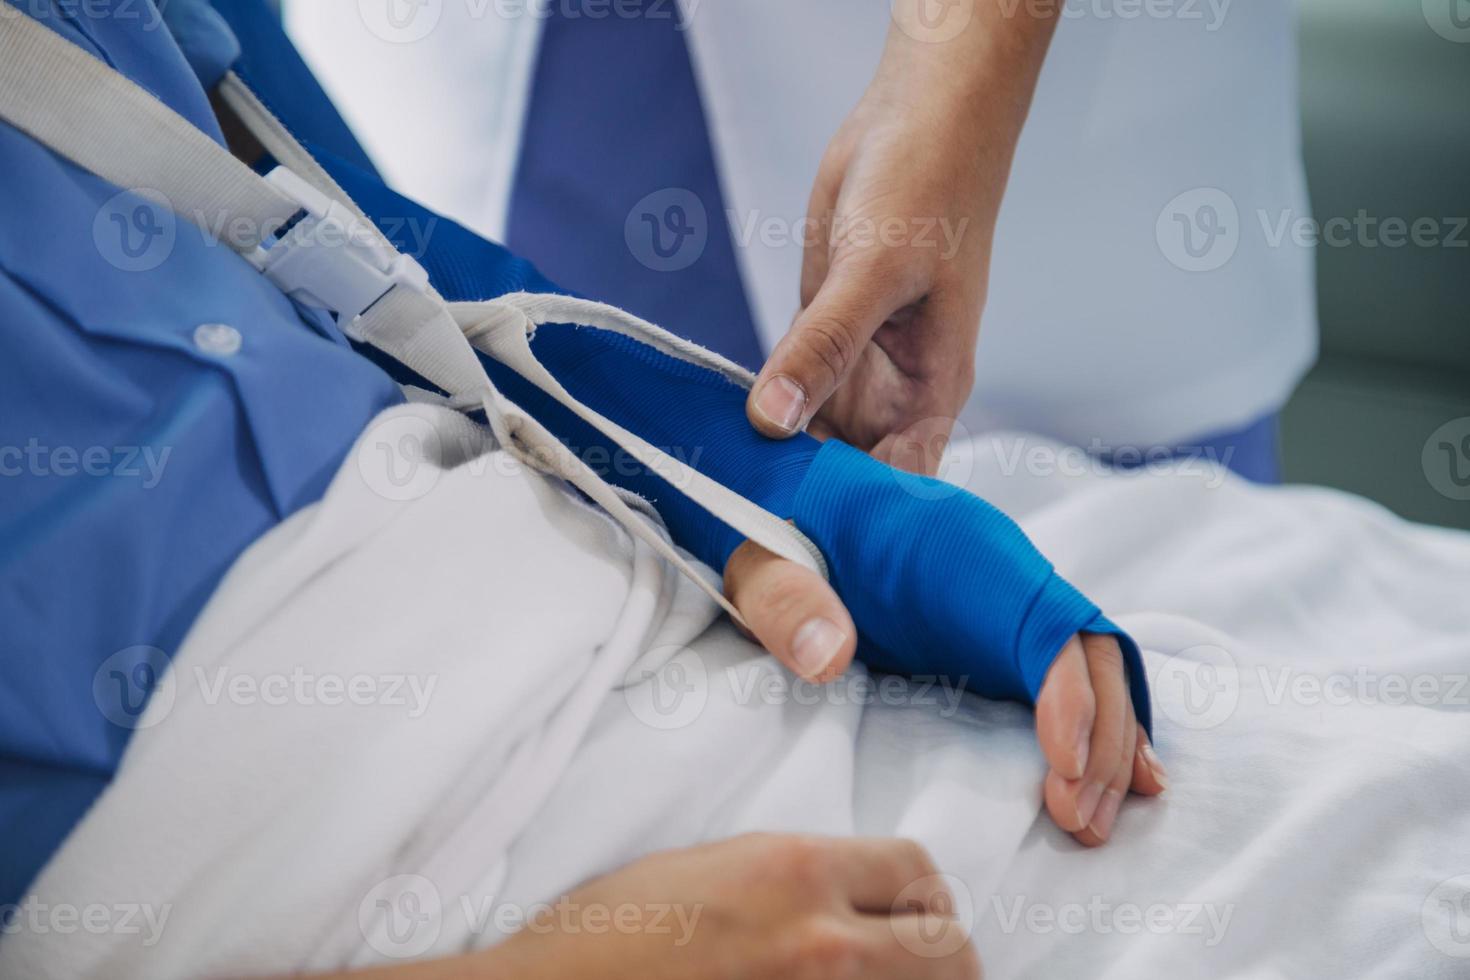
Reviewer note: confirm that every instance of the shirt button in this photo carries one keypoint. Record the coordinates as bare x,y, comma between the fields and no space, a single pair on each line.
220,339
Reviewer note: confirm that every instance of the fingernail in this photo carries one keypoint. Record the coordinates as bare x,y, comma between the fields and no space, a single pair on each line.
815,646
1107,812
1155,765
782,401
1087,802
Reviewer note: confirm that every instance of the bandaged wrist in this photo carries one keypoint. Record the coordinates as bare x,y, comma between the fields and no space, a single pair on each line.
938,581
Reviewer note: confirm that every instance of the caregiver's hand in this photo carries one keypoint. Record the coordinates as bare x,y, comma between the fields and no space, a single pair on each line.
893,280
753,907
767,906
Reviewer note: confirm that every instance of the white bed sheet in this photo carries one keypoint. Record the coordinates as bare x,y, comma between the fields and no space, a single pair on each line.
1308,653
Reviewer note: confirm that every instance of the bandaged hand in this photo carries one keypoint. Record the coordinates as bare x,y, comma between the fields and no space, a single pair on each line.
945,588
926,578
1095,749
940,583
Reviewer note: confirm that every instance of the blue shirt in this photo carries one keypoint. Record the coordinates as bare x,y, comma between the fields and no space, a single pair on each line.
161,406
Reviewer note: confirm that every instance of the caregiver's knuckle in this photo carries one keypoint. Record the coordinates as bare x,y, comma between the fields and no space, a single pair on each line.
807,864
764,847
825,948
913,859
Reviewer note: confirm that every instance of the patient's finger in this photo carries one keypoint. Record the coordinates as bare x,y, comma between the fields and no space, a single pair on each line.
1065,711
1074,803
1100,829
1149,777
1105,665
792,611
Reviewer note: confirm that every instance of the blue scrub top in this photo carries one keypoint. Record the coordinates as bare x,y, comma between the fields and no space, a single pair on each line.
161,407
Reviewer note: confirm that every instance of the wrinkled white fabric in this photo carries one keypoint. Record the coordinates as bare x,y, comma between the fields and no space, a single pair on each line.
567,703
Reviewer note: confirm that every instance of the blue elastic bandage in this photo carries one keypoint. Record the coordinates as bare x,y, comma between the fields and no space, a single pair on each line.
938,581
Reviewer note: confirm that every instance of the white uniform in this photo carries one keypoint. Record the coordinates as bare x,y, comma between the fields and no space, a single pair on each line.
1146,285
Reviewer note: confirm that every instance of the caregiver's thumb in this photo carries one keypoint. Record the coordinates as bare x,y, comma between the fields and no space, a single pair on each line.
823,345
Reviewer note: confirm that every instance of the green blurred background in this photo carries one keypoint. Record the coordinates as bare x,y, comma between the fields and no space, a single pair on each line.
1386,128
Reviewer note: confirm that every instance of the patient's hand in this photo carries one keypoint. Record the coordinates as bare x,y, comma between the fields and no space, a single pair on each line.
1095,746
1085,721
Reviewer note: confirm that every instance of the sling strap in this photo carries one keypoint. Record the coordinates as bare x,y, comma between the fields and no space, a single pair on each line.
299,229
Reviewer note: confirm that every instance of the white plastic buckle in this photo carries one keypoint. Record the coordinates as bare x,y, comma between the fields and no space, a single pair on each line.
330,260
